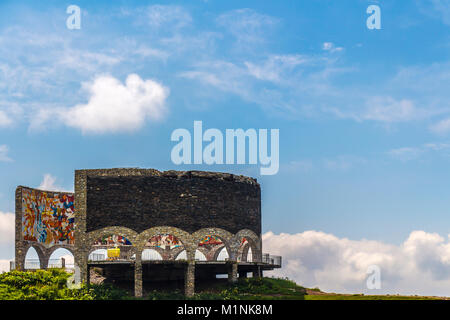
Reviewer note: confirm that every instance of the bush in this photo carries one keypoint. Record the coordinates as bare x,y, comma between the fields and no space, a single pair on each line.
51,285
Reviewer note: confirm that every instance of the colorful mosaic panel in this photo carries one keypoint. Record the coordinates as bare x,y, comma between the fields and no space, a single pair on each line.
210,240
164,240
112,240
46,218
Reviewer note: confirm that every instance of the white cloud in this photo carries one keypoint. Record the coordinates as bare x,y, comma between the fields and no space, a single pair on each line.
7,227
411,153
114,107
4,149
329,46
49,184
442,127
387,109
5,120
275,67
4,266
247,25
163,15
302,166
436,8
343,162
405,153
420,265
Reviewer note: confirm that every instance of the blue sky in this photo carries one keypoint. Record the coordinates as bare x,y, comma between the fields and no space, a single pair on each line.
363,114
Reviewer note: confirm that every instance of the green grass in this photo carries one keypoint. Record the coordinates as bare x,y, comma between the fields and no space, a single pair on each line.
365,297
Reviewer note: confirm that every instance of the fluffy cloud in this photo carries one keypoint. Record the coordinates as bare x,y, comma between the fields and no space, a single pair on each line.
4,266
329,46
247,25
5,120
114,107
163,15
4,149
411,153
387,109
49,184
420,265
442,127
7,225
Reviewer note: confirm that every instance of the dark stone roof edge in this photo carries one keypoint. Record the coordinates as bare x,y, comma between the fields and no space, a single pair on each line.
46,191
168,173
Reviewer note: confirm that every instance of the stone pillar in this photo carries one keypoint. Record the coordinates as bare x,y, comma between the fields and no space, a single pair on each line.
20,246
189,279
81,263
257,273
88,276
43,261
138,276
63,263
232,272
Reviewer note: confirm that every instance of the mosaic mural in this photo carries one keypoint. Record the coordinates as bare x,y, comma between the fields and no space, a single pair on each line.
210,240
163,240
112,240
47,219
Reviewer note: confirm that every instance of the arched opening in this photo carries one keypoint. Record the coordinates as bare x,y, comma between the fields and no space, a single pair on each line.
167,246
181,256
61,258
246,251
199,256
223,255
98,255
32,260
151,255
111,247
211,246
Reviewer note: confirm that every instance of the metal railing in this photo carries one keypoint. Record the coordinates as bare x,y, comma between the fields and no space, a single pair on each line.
34,264
97,257
272,260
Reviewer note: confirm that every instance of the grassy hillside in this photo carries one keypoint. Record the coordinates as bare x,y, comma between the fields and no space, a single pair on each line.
52,285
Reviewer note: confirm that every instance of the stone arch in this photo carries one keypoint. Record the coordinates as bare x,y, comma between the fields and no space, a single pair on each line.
200,256
125,232
183,236
222,234
53,249
116,230
56,247
175,257
218,251
41,253
254,242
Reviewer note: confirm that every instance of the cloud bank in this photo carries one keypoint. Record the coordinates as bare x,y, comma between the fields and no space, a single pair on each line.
7,221
420,265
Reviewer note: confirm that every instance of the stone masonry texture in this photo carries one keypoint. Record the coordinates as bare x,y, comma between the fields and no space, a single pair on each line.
189,200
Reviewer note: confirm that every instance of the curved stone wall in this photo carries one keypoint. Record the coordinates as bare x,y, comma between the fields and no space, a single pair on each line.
189,200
